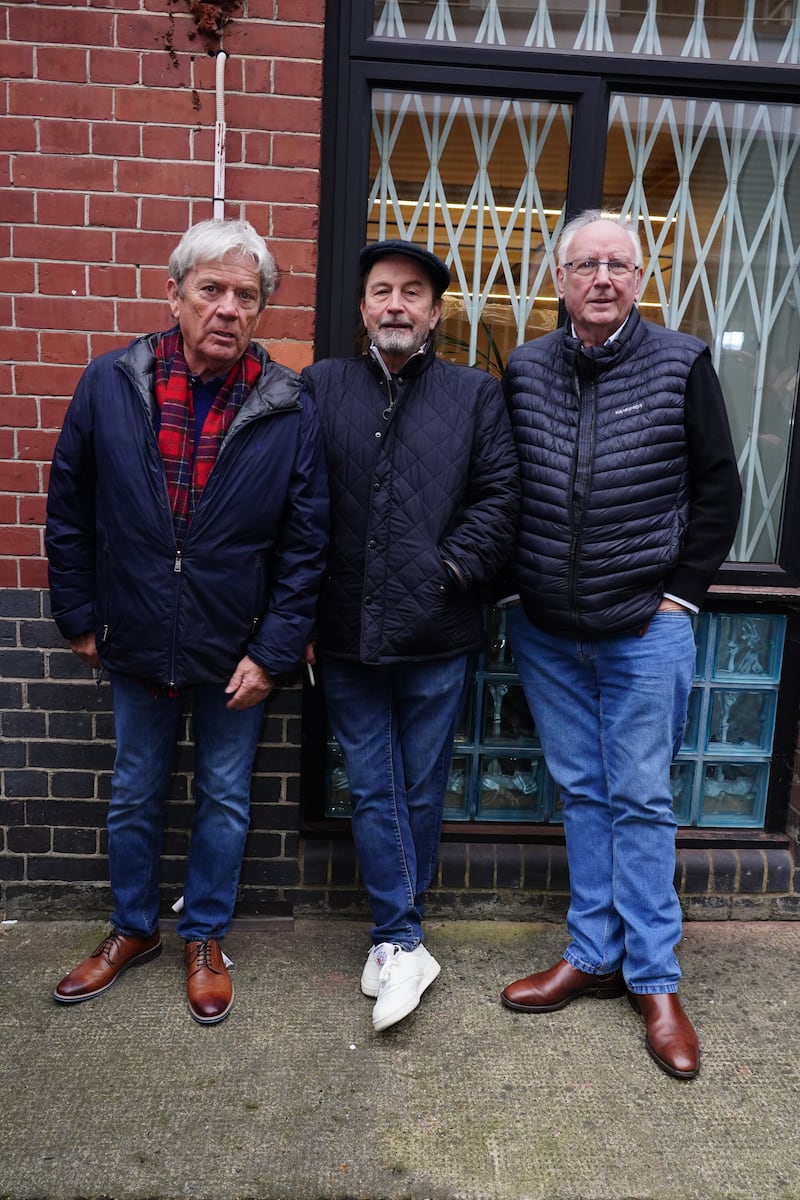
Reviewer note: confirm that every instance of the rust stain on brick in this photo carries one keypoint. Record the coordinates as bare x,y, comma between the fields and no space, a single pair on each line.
168,36
209,20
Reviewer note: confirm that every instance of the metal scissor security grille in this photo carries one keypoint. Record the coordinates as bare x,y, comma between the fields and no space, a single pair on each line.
716,186
480,182
721,231
735,31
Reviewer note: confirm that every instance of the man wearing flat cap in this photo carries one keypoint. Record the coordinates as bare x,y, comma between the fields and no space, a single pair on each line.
424,496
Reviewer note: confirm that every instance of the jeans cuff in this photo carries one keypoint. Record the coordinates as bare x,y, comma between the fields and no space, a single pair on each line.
652,989
588,968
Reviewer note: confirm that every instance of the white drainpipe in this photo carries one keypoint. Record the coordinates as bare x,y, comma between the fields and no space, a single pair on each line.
219,141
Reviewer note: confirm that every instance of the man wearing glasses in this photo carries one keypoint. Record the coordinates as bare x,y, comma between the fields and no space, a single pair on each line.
630,500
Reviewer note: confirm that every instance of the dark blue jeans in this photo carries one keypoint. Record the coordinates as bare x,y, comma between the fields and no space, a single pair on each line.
225,742
396,725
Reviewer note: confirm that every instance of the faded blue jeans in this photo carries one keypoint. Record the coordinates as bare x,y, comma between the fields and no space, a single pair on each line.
610,715
225,742
395,725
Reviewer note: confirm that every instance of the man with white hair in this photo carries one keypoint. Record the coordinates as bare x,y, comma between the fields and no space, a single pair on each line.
630,500
186,534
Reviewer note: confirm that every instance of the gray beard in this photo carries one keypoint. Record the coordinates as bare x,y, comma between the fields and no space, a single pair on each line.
398,341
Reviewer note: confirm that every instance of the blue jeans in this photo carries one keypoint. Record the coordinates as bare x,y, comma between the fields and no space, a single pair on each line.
610,715
395,726
225,743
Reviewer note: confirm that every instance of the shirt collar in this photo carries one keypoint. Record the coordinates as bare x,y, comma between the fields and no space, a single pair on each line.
609,340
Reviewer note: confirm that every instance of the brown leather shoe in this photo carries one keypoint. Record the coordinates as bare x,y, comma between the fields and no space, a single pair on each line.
105,965
547,991
670,1038
209,989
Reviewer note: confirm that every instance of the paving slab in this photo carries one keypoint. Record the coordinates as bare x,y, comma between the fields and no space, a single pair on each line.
293,1097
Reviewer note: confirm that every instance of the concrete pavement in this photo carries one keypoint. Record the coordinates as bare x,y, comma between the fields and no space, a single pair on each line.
294,1097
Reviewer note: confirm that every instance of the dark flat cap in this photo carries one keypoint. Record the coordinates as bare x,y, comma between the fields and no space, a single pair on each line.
438,271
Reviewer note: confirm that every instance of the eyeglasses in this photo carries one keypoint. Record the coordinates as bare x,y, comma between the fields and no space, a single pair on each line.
617,268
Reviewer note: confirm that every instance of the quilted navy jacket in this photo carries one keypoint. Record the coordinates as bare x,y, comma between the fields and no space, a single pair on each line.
248,573
424,497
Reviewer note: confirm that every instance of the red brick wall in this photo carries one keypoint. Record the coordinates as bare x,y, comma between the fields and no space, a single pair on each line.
106,156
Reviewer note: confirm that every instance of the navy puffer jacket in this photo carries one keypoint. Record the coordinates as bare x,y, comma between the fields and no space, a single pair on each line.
606,482
247,576
424,497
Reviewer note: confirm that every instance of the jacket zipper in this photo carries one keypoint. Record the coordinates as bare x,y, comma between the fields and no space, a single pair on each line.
391,388
581,476
177,568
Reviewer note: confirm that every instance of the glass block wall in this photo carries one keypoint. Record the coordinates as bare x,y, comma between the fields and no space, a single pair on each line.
719,777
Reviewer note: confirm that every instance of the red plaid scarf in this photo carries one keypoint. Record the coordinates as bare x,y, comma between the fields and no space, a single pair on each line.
187,473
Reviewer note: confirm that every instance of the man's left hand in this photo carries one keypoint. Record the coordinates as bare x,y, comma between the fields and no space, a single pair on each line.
248,685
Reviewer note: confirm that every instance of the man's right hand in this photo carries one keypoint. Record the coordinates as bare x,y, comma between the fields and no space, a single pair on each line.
86,649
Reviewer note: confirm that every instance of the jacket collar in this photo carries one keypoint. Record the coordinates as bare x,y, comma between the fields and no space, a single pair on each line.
138,362
414,366
612,351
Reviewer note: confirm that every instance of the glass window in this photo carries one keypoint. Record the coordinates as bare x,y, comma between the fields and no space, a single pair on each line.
716,186
721,30
717,190
481,182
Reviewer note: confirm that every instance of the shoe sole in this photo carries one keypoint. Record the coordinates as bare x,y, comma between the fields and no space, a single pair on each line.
396,1015
138,961
210,1020
592,993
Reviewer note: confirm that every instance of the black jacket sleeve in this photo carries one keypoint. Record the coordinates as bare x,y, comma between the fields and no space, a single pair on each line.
716,492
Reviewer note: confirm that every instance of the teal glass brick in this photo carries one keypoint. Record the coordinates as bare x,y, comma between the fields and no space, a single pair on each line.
507,719
734,794
458,788
511,788
701,624
741,722
749,647
691,735
682,786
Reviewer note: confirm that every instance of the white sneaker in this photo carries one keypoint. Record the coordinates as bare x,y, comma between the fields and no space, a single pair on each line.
404,976
370,976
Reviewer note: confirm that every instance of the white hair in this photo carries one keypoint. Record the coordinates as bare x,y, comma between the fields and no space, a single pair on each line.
588,217
210,241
